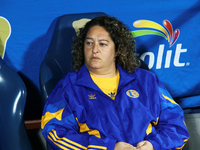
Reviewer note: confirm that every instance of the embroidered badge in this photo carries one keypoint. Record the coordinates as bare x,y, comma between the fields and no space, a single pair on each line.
132,93
92,96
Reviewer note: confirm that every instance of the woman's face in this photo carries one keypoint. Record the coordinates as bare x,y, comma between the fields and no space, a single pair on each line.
99,51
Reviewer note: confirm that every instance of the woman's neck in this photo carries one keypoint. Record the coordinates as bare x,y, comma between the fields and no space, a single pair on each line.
103,74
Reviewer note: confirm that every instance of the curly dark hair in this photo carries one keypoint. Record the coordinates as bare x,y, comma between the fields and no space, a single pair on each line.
121,36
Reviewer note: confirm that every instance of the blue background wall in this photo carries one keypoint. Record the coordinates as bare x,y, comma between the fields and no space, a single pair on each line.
28,42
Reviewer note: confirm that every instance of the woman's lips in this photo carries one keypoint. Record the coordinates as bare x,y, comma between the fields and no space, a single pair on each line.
95,58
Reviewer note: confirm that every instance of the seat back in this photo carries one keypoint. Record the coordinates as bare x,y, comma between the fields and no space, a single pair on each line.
12,102
57,61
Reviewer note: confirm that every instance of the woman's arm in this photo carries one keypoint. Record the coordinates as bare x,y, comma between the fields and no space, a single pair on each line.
170,131
61,129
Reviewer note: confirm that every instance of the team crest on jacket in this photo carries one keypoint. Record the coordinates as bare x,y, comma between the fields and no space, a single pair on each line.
92,96
132,93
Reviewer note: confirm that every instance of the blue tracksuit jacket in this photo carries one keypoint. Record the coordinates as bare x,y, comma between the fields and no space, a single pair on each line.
78,115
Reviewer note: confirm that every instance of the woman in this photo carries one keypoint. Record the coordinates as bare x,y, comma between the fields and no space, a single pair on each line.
108,102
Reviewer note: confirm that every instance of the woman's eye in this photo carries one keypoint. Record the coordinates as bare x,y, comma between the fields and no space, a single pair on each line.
102,44
89,43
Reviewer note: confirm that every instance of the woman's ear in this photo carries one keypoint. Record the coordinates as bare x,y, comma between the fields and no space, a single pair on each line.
116,54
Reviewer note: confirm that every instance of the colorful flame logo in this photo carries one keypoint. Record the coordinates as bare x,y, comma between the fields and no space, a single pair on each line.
168,34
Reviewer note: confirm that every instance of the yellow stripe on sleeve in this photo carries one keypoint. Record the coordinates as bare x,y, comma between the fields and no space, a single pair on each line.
70,144
84,128
183,144
97,147
61,142
62,147
69,141
181,147
155,123
49,116
171,100
186,140
149,129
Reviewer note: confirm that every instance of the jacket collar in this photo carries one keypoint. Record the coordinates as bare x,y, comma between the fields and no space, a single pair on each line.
125,77
84,79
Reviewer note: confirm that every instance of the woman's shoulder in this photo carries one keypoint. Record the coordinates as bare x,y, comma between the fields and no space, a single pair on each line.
139,73
148,72
70,76
66,79
143,73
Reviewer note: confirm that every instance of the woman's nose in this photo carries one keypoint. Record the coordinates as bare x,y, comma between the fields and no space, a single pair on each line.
95,49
